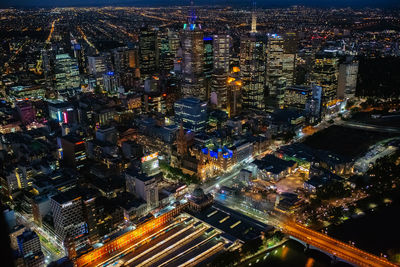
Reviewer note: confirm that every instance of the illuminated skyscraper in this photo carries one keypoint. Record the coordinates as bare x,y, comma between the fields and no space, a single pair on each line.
68,215
193,59
191,113
66,73
347,83
166,58
252,71
325,74
221,45
219,85
148,50
275,82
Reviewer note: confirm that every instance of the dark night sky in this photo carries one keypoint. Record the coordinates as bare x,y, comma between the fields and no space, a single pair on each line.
260,3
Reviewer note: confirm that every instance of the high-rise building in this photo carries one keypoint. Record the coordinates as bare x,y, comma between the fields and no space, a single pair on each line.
166,58
219,85
30,249
193,60
125,59
68,217
97,66
146,187
347,83
274,70
91,215
66,73
192,113
252,71
325,74
174,42
234,97
148,51
221,45
111,82
208,63
73,151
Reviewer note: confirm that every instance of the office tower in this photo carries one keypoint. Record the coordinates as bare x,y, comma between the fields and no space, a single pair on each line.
66,73
111,82
166,58
325,74
147,188
347,83
174,42
252,71
193,60
91,215
40,208
154,102
290,42
219,85
125,59
30,249
79,54
68,217
221,45
148,50
208,63
97,66
192,113
73,151
234,97
275,80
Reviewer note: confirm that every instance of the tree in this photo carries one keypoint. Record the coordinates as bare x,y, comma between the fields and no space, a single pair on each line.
227,258
251,246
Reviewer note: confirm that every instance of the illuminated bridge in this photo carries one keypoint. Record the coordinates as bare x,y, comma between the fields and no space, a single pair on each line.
332,246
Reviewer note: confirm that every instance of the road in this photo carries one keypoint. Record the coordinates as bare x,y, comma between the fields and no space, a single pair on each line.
369,127
51,255
207,187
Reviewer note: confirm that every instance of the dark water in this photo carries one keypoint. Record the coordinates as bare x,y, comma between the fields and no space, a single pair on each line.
292,254
376,232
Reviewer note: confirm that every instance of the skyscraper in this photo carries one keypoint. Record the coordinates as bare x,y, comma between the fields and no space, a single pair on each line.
66,73
347,83
193,59
192,113
111,82
275,81
208,63
73,151
148,49
219,85
325,74
221,45
252,71
68,215
166,58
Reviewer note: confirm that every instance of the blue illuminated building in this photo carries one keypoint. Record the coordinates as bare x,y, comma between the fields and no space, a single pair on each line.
192,113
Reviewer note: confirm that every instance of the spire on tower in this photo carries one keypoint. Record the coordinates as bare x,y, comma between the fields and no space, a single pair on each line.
192,15
253,19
